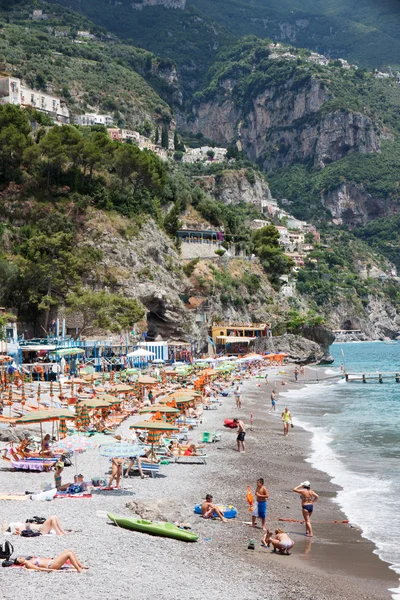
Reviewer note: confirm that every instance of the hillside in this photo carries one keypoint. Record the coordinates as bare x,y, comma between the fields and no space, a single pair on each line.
98,75
327,134
365,31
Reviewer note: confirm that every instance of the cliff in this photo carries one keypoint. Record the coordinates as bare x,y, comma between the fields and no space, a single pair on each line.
235,186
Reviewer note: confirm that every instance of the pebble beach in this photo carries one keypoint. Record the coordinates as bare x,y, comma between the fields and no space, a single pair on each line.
336,563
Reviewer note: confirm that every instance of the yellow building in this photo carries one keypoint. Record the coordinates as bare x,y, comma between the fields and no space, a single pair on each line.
237,335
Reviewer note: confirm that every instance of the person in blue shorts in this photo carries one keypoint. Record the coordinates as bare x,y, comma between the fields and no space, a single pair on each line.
260,505
273,400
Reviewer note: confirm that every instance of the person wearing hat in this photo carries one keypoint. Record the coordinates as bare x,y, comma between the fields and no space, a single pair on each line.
308,499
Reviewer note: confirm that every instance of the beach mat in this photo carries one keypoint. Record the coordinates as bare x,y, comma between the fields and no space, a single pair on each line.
13,497
73,496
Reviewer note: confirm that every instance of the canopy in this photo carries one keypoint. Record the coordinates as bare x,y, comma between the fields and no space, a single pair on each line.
77,443
234,339
41,416
122,387
154,426
69,351
37,348
140,353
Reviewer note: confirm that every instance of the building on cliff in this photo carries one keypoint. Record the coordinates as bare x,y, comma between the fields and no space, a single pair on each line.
237,338
94,119
14,91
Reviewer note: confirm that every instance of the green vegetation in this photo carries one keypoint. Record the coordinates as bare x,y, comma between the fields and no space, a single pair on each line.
104,311
49,180
98,74
269,251
384,236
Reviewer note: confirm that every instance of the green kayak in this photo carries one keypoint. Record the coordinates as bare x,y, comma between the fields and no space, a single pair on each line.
153,528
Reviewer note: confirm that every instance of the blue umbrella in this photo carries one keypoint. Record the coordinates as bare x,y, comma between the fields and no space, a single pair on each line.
121,450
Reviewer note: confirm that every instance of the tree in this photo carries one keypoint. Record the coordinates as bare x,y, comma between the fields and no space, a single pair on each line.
267,248
157,136
4,319
171,220
103,310
164,137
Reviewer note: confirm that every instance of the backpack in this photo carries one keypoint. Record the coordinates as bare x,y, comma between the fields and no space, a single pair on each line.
6,550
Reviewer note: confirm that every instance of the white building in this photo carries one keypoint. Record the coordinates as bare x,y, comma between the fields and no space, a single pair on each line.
86,35
256,224
39,15
14,91
283,235
94,119
294,223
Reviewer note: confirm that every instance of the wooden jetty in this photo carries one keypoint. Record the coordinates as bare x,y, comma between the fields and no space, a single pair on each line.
379,377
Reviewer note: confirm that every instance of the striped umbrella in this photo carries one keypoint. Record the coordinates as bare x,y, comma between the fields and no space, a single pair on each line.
84,416
154,430
78,420
62,428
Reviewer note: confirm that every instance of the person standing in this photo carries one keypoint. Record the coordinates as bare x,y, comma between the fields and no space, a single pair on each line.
238,397
273,400
241,435
287,420
296,374
308,499
260,506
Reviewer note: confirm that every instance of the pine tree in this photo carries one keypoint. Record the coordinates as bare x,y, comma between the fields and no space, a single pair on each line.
157,136
176,141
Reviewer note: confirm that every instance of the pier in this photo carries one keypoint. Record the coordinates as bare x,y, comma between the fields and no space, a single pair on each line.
379,377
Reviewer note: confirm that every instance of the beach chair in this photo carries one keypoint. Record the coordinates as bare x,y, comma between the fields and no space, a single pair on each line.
151,468
191,459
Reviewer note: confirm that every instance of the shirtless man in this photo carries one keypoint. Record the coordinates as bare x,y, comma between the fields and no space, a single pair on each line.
260,507
241,435
308,499
208,509
273,400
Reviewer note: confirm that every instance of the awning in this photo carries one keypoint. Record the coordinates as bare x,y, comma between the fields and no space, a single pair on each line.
37,348
234,339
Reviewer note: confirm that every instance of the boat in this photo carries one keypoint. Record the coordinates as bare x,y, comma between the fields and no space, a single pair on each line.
168,530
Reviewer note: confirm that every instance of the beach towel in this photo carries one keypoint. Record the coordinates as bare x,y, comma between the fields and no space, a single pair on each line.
83,495
13,497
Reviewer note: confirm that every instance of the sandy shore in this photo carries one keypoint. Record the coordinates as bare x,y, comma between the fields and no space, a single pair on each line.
336,563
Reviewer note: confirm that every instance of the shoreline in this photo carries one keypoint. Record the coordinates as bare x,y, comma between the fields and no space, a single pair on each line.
337,563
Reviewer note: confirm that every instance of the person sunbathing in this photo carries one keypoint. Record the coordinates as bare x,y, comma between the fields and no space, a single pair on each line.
45,446
51,564
52,524
281,541
208,509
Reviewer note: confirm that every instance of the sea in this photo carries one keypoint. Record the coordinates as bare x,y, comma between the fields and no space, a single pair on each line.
356,439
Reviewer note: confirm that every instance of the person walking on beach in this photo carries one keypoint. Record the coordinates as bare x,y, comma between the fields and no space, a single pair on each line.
308,499
260,505
273,400
296,374
241,434
287,420
238,397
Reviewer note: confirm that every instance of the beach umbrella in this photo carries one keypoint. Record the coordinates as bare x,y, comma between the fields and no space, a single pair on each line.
46,415
77,444
75,381
122,388
108,398
158,361
78,421
154,430
161,408
84,415
147,380
95,403
121,450
70,351
140,353
62,428
89,370
132,371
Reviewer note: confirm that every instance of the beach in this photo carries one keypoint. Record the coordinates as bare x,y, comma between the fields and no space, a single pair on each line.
336,563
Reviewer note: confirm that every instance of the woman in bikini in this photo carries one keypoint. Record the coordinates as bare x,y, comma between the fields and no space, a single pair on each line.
281,541
116,471
51,564
51,524
308,499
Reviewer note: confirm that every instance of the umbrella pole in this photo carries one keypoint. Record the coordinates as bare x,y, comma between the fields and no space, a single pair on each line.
41,435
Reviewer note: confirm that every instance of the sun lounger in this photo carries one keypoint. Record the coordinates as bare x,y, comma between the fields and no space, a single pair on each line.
192,459
33,464
151,468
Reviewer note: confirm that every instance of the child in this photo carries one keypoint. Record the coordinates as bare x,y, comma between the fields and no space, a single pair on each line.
281,541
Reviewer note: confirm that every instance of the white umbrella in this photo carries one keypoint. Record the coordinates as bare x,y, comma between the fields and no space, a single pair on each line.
140,353
158,361
226,358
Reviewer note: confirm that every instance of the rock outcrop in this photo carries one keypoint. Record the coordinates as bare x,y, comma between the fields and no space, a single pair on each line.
351,205
299,349
233,187
285,124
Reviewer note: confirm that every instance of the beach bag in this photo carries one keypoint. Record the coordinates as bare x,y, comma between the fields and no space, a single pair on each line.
66,460
6,550
30,533
99,481
38,520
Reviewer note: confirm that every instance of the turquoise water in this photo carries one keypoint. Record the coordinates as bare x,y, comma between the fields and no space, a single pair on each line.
356,439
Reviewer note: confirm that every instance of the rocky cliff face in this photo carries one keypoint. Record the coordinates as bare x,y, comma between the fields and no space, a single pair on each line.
144,265
233,187
285,124
351,205
377,320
